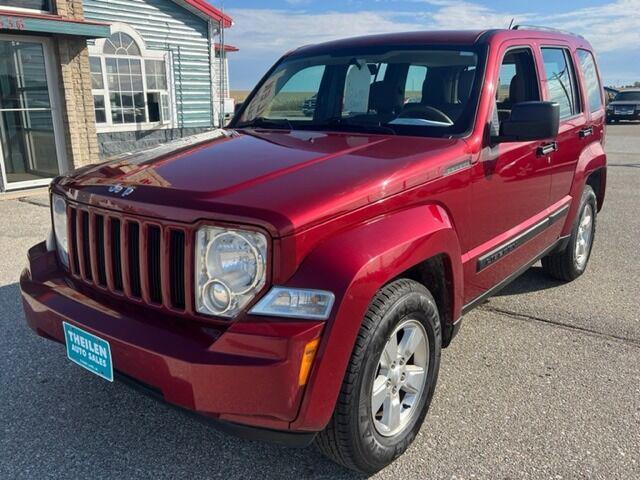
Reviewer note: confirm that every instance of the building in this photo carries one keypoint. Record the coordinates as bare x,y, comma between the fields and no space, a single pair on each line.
83,80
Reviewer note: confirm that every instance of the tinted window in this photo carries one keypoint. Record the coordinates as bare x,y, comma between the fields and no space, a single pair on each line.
561,80
592,82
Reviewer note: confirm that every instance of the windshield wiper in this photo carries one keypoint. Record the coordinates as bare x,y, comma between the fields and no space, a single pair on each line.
263,122
345,123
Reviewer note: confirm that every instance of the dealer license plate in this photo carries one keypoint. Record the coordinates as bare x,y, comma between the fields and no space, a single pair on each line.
88,351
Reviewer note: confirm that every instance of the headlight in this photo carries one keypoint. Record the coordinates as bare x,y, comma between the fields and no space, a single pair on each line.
295,303
59,213
230,269
609,107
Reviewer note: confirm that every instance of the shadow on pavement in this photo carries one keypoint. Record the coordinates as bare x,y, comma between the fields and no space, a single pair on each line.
533,280
72,421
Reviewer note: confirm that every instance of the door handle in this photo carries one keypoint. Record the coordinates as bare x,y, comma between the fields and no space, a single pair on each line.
585,132
547,148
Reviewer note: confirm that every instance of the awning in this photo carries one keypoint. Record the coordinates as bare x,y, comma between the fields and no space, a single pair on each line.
12,22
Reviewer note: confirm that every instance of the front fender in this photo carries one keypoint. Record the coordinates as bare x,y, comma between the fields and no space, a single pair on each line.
355,265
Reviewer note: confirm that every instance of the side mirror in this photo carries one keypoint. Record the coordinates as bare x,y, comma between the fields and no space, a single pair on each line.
530,121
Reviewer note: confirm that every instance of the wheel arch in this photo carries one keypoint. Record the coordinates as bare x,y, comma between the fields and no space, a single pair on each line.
416,241
591,169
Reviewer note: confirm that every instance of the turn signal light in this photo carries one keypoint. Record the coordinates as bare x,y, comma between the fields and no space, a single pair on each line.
308,356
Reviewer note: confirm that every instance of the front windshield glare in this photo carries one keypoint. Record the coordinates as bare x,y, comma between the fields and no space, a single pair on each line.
418,92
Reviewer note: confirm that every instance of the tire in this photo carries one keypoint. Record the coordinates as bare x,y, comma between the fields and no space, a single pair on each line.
567,265
353,437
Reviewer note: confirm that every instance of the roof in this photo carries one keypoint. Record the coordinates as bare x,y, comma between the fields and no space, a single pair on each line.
440,37
208,10
463,37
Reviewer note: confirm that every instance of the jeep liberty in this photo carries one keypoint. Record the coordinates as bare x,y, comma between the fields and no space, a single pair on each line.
296,278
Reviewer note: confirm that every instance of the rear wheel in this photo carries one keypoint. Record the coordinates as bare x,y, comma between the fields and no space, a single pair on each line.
571,262
390,380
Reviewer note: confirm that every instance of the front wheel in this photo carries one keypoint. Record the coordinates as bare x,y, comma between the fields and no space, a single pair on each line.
571,262
390,380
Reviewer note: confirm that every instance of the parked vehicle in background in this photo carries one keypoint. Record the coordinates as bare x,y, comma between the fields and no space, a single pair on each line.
624,106
297,278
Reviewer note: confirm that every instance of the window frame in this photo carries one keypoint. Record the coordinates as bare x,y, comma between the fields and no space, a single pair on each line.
576,90
97,50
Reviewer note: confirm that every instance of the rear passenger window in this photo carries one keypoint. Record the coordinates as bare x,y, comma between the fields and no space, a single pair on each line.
591,80
561,80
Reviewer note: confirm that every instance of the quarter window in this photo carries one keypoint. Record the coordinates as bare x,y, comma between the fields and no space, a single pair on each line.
561,81
592,82
128,87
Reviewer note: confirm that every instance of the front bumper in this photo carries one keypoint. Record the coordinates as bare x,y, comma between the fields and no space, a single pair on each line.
244,374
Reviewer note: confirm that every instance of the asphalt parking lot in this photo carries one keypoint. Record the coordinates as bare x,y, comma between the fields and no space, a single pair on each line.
543,381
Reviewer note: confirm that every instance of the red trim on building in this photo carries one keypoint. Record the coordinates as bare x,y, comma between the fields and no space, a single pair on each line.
227,47
211,11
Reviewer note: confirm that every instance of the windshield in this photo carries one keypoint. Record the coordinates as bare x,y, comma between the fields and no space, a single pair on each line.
427,91
627,97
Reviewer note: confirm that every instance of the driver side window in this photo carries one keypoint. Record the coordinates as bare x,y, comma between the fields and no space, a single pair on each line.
517,82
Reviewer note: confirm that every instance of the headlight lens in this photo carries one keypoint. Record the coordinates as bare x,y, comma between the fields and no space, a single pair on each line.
230,269
295,303
59,211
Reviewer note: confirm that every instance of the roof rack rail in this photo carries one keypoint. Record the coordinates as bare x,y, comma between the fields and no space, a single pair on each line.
546,29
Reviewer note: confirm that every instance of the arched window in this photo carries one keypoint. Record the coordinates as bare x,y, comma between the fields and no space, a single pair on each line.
130,84
121,44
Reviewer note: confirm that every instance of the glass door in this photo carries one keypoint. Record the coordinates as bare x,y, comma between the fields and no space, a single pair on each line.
29,146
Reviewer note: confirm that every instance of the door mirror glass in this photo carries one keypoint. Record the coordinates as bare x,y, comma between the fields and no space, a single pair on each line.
530,121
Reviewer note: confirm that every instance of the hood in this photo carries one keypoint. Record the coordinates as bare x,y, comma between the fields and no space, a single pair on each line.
281,180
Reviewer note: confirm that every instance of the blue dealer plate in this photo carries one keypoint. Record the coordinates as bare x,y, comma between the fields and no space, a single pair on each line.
88,351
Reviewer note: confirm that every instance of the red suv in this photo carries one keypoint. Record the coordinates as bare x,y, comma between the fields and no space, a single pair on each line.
296,277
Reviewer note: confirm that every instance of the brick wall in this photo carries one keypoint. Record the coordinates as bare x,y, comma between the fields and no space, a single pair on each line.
70,9
75,84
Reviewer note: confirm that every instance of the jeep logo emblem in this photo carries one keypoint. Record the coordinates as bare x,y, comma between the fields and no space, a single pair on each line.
117,188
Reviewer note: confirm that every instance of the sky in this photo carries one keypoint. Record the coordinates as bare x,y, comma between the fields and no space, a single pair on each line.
265,29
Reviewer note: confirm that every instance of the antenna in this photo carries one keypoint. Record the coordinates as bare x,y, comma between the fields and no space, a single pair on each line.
511,23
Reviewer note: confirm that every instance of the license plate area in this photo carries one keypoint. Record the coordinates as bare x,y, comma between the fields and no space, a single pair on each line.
89,351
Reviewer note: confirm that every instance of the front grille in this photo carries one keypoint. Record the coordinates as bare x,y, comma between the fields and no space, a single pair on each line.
142,260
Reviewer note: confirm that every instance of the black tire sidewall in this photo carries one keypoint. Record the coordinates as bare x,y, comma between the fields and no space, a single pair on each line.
588,198
378,449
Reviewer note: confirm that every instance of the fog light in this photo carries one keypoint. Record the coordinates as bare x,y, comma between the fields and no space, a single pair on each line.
217,296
